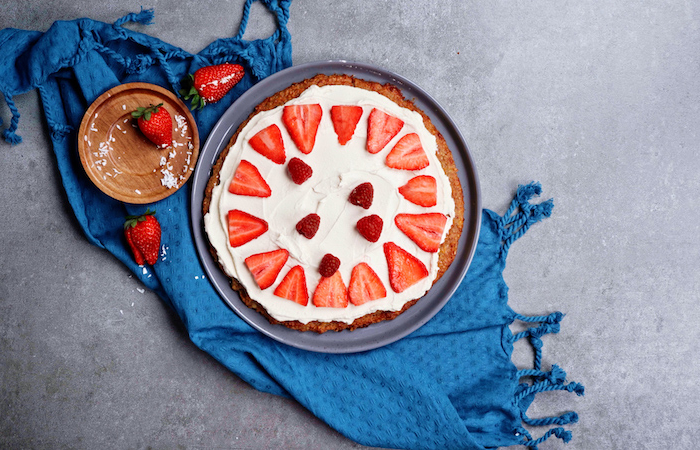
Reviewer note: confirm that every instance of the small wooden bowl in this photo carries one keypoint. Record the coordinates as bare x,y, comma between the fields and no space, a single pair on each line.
121,161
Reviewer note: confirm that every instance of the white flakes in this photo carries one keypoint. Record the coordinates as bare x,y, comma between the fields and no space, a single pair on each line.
196,277
190,146
168,179
132,304
124,107
144,270
121,312
163,161
85,138
172,154
126,120
137,191
119,127
89,143
141,290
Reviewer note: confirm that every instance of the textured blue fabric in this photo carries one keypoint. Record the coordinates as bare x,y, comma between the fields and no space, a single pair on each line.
450,384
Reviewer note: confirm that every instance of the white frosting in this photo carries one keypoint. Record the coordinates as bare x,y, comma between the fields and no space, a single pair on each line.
336,171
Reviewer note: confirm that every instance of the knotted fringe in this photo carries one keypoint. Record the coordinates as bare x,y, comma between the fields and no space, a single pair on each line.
9,133
511,226
521,215
554,380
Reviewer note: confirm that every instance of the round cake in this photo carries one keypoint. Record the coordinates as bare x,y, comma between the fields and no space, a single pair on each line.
335,205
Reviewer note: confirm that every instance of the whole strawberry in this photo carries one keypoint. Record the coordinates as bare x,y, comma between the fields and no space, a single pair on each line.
143,236
209,84
156,124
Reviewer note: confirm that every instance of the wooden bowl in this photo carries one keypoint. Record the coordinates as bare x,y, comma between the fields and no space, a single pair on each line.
121,161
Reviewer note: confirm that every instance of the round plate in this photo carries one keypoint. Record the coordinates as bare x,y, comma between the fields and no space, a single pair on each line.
120,160
378,334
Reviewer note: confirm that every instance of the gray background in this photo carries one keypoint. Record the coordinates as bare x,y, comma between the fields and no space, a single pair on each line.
597,100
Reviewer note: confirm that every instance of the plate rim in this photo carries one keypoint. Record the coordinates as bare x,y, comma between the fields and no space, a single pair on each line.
101,99
362,339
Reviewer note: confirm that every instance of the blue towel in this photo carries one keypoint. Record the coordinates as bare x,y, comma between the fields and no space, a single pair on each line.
450,384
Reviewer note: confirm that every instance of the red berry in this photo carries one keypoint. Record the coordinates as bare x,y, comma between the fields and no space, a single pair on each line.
248,181
156,124
424,229
302,123
408,154
362,195
345,118
299,170
405,270
331,292
143,236
308,226
265,267
268,142
244,227
329,265
421,190
370,227
293,286
381,128
365,285
209,84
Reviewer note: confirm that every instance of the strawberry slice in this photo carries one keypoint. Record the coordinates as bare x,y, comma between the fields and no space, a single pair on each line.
405,270
421,190
408,154
381,128
302,122
248,181
331,292
243,227
423,229
365,285
268,142
293,286
345,118
266,266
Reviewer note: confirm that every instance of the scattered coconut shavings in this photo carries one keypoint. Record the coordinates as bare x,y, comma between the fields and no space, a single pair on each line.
172,154
126,120
124,107
85,138
168,179
92,128
118,127
137,191
163,162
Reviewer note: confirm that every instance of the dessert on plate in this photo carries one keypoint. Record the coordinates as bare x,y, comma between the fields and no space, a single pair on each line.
335,205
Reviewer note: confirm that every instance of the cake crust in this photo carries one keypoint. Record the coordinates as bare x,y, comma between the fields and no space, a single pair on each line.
448,249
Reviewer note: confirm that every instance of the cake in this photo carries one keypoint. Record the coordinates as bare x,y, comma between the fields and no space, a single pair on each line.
335,205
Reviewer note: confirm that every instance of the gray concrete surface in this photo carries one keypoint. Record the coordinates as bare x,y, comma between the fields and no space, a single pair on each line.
597,100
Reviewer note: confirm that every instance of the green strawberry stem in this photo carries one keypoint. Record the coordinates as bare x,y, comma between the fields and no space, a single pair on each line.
146,112
131,221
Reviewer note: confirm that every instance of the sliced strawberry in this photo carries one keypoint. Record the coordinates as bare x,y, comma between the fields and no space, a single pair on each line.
268,142
266,266
405,270
381,128
408,154
345,118
302,122
331,292
365,285
370,227
362,195
293,286
299,170
423,229
421,190
243,227
248,181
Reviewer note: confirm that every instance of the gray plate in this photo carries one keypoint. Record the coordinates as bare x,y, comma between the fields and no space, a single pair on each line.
381,333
